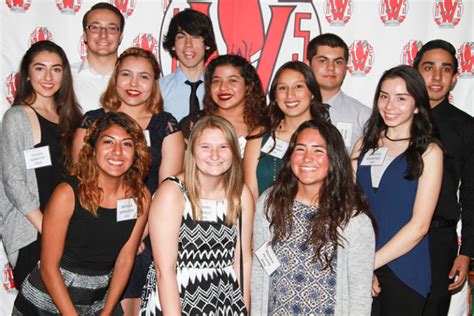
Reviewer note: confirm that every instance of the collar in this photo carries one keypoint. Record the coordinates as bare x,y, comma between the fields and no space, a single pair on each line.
180,78
335,99
85,66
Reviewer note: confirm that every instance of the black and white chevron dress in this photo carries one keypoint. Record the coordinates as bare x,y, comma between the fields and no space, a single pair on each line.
206,278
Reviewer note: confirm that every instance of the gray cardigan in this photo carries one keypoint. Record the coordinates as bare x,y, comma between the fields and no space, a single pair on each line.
20,190
354,271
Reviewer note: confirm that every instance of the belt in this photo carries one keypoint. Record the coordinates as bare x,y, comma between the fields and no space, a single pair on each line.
443,223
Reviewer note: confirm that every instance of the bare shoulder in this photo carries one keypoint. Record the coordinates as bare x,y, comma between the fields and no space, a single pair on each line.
433,151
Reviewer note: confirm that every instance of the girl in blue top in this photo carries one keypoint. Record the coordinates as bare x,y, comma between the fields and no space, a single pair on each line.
399,166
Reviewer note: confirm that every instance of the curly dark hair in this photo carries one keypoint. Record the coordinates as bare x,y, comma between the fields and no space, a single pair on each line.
67,108
87,172
422,131
194,23
339,198
255,103
110,100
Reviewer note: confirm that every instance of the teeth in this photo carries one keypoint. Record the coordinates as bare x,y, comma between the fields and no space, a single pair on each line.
114,162
292,104
225,97
133,92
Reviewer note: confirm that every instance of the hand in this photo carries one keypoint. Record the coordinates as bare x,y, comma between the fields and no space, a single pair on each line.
375,287
141,247
460,268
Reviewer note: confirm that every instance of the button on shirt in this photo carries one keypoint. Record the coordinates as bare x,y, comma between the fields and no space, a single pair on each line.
88,85
175,93
345,109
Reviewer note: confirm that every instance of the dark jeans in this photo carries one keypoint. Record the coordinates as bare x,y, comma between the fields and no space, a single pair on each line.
396,298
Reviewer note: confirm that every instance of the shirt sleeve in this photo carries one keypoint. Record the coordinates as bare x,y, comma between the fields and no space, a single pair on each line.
15,182
466,192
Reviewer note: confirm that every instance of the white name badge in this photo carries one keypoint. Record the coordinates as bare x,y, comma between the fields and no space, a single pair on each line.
279,150
126,210
37,157
147,137
346,131
375,158
267,258
209,211
242,142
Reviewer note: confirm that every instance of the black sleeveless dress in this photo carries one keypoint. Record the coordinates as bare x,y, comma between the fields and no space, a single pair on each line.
91,247
47,179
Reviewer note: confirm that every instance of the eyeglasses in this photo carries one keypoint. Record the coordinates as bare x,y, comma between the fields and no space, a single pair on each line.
96,28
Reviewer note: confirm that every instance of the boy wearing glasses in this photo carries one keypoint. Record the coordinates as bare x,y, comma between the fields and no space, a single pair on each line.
103,28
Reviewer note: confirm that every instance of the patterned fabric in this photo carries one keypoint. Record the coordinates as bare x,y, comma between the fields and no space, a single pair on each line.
205,275
86,291
301,286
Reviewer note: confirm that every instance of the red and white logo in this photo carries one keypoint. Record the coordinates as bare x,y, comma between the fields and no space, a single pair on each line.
125,6
465,57
11,82
338,12
148,42
40,33
409,52
448,13
243,29
82,48
393,12
19,6
68,6
361,58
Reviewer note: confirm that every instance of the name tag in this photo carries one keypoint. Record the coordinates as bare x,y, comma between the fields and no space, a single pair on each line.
126,210
375,158
37,157
280,147
267,258
242,142
346,131
147,137
209,211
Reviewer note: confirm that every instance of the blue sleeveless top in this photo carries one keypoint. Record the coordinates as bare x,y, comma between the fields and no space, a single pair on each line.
392,206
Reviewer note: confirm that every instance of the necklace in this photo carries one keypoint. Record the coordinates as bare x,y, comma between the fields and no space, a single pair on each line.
395,140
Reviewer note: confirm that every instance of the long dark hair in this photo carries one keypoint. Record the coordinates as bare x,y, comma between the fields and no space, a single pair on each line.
67,108
340,198
255,103
275,115
422,132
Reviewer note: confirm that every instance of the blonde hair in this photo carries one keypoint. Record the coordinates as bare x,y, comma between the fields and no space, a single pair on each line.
110,100
233,178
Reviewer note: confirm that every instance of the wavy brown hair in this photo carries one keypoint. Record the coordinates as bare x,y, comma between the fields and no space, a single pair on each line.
339,198
110,100
255,103
233,178
66,105
87,171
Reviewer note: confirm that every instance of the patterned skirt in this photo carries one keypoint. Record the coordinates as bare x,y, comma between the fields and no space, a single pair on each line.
202,292
87,290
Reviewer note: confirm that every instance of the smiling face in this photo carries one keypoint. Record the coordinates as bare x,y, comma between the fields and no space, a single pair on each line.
102,43
329,67
292,94
45,74
190,50
212,153
135,81
395,104
437,68
228,87
114,152
309,160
